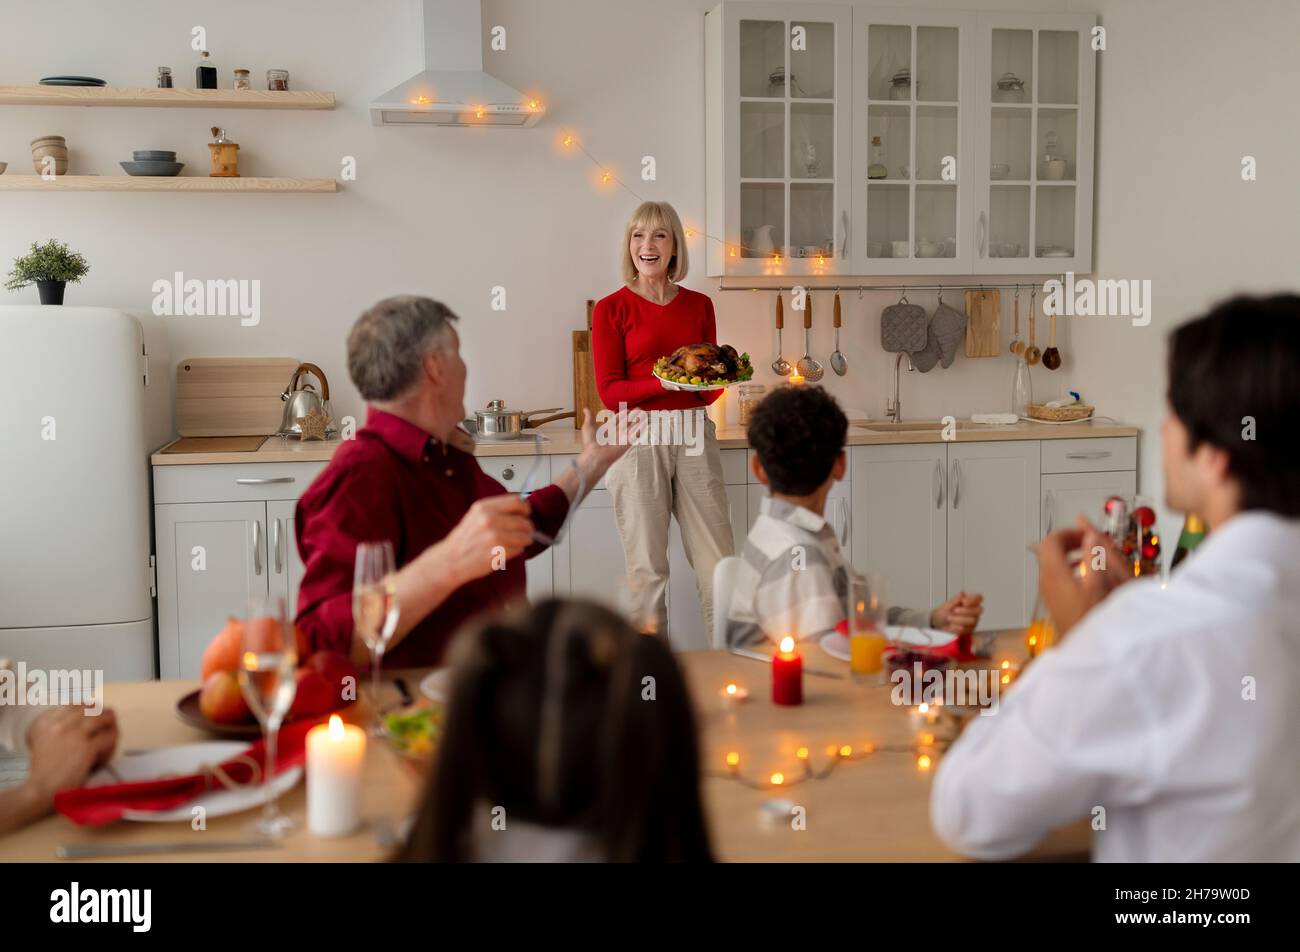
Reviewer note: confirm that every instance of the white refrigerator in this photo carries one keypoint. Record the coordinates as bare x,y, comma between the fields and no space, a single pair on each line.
85,397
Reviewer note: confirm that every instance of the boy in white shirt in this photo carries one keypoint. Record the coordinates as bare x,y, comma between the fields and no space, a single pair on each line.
1167,715
793,578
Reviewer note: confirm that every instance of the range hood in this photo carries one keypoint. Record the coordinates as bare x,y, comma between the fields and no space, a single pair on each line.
453,90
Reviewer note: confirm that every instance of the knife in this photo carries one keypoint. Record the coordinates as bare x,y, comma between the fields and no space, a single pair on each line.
759,656
95,850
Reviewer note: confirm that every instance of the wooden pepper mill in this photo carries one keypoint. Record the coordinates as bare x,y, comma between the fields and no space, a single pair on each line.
225,155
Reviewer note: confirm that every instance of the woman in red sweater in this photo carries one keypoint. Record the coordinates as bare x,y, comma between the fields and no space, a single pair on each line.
648,318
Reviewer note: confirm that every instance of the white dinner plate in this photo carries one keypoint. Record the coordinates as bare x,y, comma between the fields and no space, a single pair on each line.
187,759
436,685
837,645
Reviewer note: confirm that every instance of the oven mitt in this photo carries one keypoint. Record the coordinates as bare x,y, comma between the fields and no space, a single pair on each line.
948,328
903,328
925,358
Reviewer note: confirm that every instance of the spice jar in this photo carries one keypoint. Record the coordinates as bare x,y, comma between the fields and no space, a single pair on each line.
164,77
277,80
749,396
241,79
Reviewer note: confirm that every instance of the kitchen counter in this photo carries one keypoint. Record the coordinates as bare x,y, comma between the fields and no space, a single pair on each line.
560,441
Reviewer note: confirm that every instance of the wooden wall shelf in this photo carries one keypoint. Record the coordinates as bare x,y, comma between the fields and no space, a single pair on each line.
164,98
178,183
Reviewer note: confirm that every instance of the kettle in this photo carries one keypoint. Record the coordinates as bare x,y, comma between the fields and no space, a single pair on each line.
301,400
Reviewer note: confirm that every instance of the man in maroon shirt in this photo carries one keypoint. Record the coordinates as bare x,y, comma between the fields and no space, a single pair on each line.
409,477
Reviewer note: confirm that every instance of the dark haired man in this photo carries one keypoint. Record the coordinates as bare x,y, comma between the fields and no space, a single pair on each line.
1168,715
793,579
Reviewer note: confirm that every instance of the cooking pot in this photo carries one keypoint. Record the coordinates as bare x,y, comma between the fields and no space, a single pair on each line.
496,423
301,400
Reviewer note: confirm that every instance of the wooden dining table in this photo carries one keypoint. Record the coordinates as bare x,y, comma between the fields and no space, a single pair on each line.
871,805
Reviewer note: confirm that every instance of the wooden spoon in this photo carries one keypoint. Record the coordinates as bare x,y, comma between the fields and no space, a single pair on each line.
1052,356
1032,353
1017,345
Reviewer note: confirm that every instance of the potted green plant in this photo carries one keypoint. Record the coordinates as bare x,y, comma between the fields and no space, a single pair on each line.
50,267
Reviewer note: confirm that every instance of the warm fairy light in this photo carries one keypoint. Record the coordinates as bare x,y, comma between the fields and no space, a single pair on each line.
923,762
1137,568
1006,665
250,661
778,779
831,750
479,113
787,645
733,759
534,105
604,178
567,141
927,740
776,259
802,753
690,232
1155,540
1032,641
336,727
422,100
923,708
731,690
1006,678
733,252
846,751
821,262
868,748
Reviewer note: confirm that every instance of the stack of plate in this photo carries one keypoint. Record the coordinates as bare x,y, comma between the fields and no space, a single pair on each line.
72,81
153,162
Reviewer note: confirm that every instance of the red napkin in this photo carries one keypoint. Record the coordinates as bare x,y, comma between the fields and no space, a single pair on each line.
95,806
959,649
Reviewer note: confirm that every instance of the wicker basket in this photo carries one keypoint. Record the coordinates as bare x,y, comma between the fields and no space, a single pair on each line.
1074,411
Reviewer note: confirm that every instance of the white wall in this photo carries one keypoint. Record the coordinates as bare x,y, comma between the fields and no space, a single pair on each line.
1186,87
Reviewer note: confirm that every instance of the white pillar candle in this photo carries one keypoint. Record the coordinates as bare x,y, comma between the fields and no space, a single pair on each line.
335,755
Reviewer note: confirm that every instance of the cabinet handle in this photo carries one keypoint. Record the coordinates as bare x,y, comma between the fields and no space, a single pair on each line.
1097,454
1049,507
275,547
257,547
846,514
844,234
507,474
262,480
956,483
983,233
938,485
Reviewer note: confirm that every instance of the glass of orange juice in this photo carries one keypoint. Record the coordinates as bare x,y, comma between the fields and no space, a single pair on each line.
866,610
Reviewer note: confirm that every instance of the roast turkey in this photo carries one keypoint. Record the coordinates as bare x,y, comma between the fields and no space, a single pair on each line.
706,361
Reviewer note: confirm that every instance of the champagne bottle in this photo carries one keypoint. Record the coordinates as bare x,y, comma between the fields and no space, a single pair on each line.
1191,536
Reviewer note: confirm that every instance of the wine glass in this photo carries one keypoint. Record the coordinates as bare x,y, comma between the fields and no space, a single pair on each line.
374,608
268,662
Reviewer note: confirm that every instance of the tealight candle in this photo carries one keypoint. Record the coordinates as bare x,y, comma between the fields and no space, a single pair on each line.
795,380
335,754
787,674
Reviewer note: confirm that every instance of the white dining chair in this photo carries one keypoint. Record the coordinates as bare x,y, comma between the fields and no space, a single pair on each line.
724,581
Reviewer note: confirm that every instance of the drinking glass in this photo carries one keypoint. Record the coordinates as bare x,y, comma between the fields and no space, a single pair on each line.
268,662
866,612
375,609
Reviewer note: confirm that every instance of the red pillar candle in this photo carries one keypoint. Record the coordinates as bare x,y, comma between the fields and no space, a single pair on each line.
787,675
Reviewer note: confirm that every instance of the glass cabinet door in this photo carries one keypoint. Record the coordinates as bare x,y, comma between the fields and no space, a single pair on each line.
1036,173
789,151
910,116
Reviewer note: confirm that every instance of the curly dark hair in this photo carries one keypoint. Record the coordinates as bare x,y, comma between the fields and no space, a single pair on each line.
1241,360
798,433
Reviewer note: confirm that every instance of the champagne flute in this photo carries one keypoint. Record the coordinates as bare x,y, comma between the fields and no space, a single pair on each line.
374,608
268,662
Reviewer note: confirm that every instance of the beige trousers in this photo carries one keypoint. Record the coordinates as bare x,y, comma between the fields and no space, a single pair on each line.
647,486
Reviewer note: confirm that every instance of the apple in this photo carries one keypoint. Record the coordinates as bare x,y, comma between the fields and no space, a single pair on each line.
223,653
313,695
221,700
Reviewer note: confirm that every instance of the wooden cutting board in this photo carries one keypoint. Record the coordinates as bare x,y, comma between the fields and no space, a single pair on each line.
983,323
231,396
585,395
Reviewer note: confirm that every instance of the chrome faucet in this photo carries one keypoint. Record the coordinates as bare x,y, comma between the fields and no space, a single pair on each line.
892,408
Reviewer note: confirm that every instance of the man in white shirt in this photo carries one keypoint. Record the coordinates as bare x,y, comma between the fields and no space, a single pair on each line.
1170,717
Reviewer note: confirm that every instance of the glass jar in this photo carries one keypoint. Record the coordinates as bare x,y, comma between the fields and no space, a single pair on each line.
748,396
241,79
164,77
277,80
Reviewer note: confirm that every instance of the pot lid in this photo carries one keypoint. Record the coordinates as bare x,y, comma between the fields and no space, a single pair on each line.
496,408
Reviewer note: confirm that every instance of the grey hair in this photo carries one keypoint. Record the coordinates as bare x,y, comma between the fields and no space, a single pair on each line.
388,343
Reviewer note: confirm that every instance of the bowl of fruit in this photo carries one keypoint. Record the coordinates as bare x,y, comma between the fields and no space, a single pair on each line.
413,733
703,367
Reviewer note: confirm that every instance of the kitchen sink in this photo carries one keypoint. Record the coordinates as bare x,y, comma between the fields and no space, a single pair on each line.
910,426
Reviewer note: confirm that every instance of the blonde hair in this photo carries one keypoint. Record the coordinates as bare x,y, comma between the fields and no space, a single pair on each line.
649,216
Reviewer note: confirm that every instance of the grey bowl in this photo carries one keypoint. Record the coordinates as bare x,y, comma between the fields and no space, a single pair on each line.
153,168
153,155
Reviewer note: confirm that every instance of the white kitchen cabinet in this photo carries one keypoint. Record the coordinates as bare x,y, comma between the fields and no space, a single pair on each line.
212,558
900,519
968,187
1066,496
993,518
777,133
284,563
1034,216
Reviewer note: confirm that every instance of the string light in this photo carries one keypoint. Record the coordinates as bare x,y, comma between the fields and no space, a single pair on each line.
923,752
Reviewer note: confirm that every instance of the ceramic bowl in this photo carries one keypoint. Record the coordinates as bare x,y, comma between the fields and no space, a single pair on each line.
3,166
153,155
153,168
